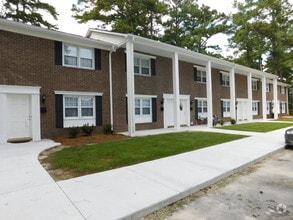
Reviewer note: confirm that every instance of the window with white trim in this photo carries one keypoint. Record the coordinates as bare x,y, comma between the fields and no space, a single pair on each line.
80,57
283,90
78,107
202,108
283,107
267,87
142,65
201,76
143,110
226,108
225,79
255,108
254,84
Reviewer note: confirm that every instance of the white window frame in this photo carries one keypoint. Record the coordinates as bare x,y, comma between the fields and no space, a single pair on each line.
254,105
202,103
268,108
226,108
201,73
143,118
141,57
267,87
78,56
283,107
79,107
254,83
225,79
283,90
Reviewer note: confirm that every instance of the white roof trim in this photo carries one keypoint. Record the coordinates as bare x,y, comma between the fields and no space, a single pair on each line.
20,28
77,93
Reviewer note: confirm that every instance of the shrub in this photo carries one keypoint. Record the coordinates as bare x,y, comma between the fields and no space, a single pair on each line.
73,132
87,129
222,121
233,121
107,128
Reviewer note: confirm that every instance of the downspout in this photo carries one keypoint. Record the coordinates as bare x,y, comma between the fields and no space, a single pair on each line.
111,89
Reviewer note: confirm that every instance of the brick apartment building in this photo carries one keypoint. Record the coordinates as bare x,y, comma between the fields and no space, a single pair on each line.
51,80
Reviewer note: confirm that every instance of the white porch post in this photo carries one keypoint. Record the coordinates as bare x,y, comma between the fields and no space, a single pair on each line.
287,100
35,119
264,98
3,118
232,93
275,98
130,87
249,96
209,93
176,93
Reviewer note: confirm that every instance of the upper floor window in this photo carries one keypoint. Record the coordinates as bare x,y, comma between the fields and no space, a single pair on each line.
267,87
283,90
200,75
78,56
254,84
225,79
142,66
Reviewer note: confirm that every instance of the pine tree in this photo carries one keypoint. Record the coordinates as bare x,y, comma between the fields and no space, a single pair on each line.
29,11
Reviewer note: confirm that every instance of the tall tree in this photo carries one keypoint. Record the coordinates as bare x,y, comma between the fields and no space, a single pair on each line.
192,26
29,11
140,17
262,29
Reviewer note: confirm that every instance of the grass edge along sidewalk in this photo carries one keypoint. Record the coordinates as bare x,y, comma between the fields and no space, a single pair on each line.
87,159
258,126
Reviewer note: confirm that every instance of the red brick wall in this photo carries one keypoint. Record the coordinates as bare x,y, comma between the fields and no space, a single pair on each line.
29,61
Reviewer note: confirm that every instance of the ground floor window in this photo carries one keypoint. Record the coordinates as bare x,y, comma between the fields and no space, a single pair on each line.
79,106
283,107
226,108
268,108
202,108
255,107
143,110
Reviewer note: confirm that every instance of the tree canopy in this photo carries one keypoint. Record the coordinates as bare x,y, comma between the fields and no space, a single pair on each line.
29,11
262,30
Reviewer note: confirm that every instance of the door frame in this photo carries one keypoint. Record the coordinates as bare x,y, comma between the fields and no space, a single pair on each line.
186,98
34,93
240,102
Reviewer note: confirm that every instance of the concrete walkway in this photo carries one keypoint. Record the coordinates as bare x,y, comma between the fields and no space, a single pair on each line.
28,192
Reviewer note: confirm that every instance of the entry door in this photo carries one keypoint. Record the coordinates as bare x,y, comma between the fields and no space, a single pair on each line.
19,116
242,108
169,112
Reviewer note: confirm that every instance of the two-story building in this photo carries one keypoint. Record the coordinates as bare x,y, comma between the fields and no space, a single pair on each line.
51,80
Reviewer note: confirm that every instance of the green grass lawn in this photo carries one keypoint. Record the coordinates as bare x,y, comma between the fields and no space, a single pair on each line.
109,155
258,126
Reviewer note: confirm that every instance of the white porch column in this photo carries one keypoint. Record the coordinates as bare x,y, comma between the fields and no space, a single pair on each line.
130,87
287,100
176,92
249,96
264,98
209,93
3,118
232,93
35,118
275,98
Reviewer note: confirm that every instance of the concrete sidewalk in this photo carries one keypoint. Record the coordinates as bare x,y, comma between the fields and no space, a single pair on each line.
126,193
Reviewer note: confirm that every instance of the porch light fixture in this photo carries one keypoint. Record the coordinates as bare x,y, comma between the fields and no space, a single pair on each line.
191,102
162,101
43,98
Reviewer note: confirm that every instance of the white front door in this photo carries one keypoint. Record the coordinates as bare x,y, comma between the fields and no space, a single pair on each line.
184,109
19,116
242,109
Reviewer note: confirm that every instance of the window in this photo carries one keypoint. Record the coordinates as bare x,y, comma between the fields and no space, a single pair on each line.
283,107
225,79
226,108
142,66
202,108
267,87
268,108
75,56
283,90
78,107
254,84
143,110
255,108
201,76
